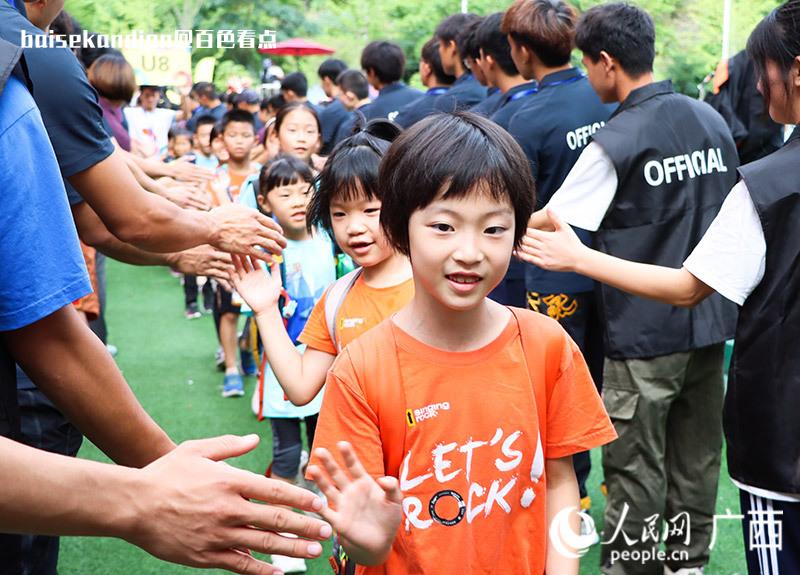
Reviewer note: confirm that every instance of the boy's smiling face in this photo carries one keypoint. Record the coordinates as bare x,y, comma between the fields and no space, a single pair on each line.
460,248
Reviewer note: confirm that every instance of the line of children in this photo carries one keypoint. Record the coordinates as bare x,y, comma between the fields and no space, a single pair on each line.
284,190
181,145
237,134
462,414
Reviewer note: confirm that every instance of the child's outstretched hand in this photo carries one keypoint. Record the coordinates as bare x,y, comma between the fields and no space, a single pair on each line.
364,512
259,290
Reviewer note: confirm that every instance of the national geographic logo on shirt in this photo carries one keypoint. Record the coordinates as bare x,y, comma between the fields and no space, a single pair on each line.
692,165
414,416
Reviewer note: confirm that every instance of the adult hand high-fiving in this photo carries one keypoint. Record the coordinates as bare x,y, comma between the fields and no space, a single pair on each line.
188,506
203,516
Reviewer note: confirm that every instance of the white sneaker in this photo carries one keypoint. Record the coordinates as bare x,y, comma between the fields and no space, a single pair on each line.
289,564
588,528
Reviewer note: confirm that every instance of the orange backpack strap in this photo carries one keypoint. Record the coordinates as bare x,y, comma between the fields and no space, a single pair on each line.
386,396
528,338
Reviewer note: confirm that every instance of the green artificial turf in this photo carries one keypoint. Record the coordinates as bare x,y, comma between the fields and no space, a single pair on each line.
169,363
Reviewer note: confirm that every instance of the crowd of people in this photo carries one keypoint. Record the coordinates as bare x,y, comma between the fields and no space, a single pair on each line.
548,259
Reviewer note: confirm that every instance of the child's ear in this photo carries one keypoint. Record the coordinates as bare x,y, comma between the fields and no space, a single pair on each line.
263,203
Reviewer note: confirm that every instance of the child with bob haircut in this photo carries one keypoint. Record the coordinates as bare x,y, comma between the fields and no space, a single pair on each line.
346,204
461,414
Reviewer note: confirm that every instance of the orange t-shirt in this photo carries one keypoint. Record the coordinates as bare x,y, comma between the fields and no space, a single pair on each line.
363,308
474,441
226,185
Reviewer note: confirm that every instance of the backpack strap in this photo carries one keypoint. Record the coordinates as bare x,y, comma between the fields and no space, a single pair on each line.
386,397
334,299
527,334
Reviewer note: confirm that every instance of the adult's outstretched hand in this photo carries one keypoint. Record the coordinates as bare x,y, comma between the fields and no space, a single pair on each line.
191,507
242,230
204,261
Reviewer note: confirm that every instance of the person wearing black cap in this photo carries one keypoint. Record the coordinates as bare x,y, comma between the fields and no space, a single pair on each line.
433,77
333,113
649,186
384,65
249,101
452,34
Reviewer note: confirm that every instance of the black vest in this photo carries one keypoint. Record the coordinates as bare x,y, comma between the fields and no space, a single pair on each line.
675,161
762,407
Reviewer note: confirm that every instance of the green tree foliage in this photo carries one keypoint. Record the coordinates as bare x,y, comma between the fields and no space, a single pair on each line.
689,32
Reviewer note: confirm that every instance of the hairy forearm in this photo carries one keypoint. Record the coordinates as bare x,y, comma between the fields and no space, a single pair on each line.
285,360
137,217
93,232
562,493
81,378
142,178
51,494
673,286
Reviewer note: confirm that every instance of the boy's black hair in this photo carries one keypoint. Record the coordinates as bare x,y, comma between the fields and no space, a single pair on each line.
455,153
203,120
276,102
624,31
384,58
353,81
178,132
331,68
776,39
284,111
206,89
297,83
430,55
547,27
216,132
283,170
449,28
467,41
494,43
351,171
236,115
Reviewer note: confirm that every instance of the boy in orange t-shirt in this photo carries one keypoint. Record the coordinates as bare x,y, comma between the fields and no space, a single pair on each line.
238,135
462,415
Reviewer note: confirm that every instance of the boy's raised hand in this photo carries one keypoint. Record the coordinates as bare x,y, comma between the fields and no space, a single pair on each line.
363,511
558,250
259,290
